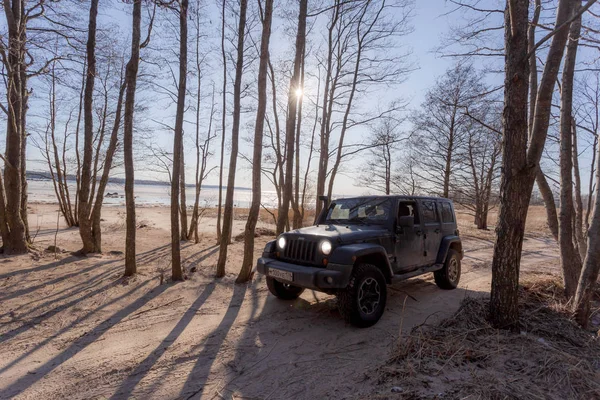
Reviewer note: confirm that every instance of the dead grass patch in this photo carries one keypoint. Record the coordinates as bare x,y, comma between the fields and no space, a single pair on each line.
464,357
258,232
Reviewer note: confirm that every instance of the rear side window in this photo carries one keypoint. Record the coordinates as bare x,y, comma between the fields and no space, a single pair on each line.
447,215
430,214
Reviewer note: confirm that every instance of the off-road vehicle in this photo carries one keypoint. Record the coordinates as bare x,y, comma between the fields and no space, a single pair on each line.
361,244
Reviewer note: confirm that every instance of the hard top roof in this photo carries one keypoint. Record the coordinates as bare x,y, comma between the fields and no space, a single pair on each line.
395,196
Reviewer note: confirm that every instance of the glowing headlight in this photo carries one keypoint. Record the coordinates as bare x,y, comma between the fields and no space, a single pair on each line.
326,247
281,243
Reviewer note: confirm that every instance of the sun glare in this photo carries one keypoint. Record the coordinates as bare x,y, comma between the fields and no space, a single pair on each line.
298,92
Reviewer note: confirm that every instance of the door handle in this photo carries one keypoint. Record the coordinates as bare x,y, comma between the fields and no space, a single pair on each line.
437,230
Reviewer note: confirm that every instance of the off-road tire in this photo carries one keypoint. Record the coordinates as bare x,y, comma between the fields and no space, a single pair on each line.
349,298
283,291
448,277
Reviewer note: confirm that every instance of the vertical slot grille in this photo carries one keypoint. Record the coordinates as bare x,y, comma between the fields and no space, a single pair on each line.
300,251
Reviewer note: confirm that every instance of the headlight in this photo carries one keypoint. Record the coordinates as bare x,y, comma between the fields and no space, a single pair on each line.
326,247
281,243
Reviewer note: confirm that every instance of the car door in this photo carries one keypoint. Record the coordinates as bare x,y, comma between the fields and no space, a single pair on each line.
409,247
432,229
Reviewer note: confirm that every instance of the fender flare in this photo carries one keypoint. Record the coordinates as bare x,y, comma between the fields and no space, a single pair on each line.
447,242
348,254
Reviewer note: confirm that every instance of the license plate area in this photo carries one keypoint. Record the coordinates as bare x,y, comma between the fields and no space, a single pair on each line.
285,275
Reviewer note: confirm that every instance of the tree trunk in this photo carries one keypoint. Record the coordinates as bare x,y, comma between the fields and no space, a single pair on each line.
96,213
549,202
248,262
177,270
235,132
520,164
504,310
290,125
85,228
223,120
579,234
14,236
182,199
591,266
297,222
131,82
569,256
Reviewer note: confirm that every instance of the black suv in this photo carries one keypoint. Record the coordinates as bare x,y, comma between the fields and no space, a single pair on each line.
361,244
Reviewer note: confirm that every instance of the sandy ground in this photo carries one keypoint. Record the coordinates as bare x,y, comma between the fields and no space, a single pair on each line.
74,328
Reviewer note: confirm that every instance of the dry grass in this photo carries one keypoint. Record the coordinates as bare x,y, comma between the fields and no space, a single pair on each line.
536,224
464,357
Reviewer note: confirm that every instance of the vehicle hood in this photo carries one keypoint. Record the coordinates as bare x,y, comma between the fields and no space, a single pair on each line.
341,233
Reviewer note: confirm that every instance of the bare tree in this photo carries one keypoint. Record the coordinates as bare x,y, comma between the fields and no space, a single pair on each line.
292,114
362,51
248,261
223,121
131,74
378,172
176,179
235,131
569,256
520,162
442,125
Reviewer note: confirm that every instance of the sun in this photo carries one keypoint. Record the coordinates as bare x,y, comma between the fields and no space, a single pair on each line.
298,92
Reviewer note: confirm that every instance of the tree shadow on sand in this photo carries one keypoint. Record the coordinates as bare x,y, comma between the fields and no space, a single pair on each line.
78,345
128,385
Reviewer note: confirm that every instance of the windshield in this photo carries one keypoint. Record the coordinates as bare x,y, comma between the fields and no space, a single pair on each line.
370,210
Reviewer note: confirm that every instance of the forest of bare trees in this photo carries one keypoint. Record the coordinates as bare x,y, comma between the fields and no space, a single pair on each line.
302,113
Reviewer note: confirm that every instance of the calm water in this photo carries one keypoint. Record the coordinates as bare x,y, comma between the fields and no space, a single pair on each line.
148,195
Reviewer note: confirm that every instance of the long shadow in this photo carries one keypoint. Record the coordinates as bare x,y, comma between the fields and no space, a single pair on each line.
70,291
128,385
202,255
39,268
70,326
41,318
198,376
59,279
78,345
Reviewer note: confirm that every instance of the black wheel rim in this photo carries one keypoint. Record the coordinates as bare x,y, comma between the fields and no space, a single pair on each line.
453,270
369,296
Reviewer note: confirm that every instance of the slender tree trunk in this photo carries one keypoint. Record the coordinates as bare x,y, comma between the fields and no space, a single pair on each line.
542,182
183,203
290,125
85,228
520,164
549,202
297,222
579,234
96,214
235,131
591,265
569,256
131,82
177,270
223,120
248,262
591,184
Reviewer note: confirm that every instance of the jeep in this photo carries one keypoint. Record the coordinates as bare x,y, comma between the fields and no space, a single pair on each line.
360,245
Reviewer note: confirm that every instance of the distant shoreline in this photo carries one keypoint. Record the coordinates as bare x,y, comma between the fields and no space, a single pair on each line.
44,176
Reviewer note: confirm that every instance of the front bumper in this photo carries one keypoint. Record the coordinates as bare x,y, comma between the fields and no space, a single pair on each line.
335,276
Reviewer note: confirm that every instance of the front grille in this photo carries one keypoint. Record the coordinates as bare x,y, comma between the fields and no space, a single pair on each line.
302,251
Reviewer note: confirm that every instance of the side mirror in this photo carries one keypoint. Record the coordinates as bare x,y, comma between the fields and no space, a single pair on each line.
406,221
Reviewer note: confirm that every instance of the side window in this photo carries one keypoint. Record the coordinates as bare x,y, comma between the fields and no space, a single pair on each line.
430,214
447,215
408,208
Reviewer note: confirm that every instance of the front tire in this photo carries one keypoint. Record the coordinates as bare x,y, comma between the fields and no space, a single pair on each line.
448,277
283,291
362,303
